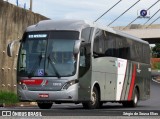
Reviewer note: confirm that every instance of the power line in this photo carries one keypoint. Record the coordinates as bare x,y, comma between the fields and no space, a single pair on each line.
151,17
137,17
107,11
123,13
153,5
153,22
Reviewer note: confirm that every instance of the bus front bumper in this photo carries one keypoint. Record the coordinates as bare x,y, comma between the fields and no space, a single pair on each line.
71,94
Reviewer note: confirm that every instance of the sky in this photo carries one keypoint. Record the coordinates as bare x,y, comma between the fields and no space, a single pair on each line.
92,9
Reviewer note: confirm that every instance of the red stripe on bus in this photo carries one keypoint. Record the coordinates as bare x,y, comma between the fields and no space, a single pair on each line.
132,83
32,81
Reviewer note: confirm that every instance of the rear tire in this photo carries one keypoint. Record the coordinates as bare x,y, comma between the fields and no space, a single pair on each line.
134,101
44,105
94,103
100,104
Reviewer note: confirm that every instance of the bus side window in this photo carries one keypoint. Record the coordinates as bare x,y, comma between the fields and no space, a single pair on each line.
83,66
82,57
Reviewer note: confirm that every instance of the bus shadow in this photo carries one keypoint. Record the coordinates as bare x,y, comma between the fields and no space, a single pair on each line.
80,107
104,107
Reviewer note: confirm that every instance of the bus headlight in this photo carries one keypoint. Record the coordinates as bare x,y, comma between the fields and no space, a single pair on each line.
68,84
23,85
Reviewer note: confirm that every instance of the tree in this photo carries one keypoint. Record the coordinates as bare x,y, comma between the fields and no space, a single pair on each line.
156,51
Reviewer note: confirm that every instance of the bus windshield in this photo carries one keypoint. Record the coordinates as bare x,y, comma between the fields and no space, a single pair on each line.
47,54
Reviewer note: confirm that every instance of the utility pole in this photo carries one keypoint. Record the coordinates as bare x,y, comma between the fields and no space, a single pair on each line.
17,2
30,5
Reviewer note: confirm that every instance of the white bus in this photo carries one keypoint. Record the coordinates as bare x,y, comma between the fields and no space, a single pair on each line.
74,61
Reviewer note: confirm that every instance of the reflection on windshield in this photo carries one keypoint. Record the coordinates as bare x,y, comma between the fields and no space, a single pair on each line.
47,57
61,54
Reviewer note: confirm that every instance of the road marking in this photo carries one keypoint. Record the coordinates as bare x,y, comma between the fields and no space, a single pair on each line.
155,81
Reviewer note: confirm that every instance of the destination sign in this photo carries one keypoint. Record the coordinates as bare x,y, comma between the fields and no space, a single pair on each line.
37,36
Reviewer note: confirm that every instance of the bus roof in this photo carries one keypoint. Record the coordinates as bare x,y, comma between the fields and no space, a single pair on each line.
76,25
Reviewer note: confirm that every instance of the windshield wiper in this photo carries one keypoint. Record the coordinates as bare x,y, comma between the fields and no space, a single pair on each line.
52,64
35,67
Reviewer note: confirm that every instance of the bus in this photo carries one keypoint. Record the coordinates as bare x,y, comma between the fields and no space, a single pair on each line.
76,61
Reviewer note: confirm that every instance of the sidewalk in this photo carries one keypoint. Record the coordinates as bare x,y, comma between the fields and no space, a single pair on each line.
157,79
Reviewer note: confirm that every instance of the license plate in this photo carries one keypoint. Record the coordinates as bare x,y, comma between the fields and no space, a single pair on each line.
44,95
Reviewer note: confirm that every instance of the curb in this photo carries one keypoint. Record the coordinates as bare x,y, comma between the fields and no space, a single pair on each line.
26,104
21,104
157,81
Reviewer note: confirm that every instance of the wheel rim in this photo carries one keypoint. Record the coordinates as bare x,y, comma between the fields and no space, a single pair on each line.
135,99
93,98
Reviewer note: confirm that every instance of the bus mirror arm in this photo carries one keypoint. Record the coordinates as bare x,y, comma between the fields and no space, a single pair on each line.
77,47
10,47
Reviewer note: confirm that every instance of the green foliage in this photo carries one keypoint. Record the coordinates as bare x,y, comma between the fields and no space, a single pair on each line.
156,51
156,65
8,97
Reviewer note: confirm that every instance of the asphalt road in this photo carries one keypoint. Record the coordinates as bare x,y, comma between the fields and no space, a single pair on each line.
151,107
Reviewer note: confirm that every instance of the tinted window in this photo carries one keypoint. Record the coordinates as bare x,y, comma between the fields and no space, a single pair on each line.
111,45
86,33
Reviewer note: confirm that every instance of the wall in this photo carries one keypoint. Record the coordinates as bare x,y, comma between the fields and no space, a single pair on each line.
13,22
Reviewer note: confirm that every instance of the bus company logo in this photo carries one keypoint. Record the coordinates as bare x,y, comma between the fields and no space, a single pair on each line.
45,82
20,114
6,113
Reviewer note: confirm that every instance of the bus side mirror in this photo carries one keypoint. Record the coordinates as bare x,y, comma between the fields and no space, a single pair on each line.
77,47
10,48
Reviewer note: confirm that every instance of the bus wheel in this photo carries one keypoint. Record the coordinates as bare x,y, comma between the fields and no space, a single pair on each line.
94,103
100,104
134,101
44,105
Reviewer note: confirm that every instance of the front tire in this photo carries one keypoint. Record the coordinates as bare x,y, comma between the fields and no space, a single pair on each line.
44,105
94,103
